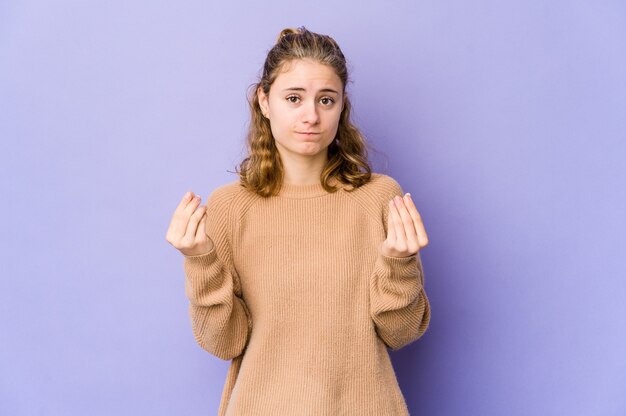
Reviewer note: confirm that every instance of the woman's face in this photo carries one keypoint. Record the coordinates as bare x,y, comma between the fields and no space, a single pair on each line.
305,98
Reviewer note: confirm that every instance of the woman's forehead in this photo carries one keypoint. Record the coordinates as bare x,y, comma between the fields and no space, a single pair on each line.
304,75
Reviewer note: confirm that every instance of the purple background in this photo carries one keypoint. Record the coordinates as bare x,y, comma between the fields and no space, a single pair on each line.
505,120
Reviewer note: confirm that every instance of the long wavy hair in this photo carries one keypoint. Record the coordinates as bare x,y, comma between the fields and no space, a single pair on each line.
262,170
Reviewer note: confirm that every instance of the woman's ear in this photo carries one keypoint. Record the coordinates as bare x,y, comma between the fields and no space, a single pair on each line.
263,102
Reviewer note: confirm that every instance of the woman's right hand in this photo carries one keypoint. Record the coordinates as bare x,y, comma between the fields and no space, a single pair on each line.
187,228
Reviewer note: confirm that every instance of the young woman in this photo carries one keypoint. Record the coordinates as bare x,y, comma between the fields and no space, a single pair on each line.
306,269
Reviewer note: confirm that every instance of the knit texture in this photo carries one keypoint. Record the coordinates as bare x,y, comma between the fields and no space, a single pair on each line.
297,293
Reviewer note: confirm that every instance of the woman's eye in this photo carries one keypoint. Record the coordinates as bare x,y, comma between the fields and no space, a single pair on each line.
328,100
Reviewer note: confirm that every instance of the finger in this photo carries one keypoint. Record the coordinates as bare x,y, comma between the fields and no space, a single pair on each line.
397,223
192,225
180,218
201,232
179,213
422,237
190,208
185,216
407,221
391,229
185,200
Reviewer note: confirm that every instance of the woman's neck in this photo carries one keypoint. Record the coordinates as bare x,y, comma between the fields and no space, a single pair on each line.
303,170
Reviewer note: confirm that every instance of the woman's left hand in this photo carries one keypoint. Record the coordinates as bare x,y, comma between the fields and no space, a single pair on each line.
405,231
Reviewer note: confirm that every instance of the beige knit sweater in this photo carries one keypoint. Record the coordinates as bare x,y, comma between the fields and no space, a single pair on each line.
297,294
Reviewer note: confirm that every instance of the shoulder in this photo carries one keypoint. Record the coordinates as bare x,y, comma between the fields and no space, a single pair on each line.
226,191
385,188
221,197
220,215
231,198
373,197
385,183
381,187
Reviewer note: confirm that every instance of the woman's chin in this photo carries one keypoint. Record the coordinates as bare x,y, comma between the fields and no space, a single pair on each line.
312,150
307,148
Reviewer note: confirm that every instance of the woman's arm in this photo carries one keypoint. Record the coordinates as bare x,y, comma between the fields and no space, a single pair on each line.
221,321
399,305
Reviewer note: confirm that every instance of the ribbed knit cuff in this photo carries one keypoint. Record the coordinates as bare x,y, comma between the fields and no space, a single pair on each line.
398,269
202,258
397,261
200,272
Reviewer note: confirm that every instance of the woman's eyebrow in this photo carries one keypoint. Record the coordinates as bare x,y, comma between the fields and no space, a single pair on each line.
303,89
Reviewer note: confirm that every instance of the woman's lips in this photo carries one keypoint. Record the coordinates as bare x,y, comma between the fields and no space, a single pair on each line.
308,137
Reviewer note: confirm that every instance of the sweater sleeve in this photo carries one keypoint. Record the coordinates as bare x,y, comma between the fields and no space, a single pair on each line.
399,305
220,319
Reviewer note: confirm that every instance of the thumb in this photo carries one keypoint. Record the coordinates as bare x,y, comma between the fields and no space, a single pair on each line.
201,231
391,229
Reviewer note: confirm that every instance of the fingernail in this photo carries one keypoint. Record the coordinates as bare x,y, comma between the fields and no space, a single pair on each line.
187,195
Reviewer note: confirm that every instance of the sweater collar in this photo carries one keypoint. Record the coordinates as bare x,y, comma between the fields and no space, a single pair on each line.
289,190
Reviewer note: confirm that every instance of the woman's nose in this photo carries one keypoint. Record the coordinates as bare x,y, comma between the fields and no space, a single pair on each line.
310,113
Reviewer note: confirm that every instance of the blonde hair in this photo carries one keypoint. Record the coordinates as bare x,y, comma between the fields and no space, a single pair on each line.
262,170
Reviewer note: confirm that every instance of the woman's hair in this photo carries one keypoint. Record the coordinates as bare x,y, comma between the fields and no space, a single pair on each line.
262,171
